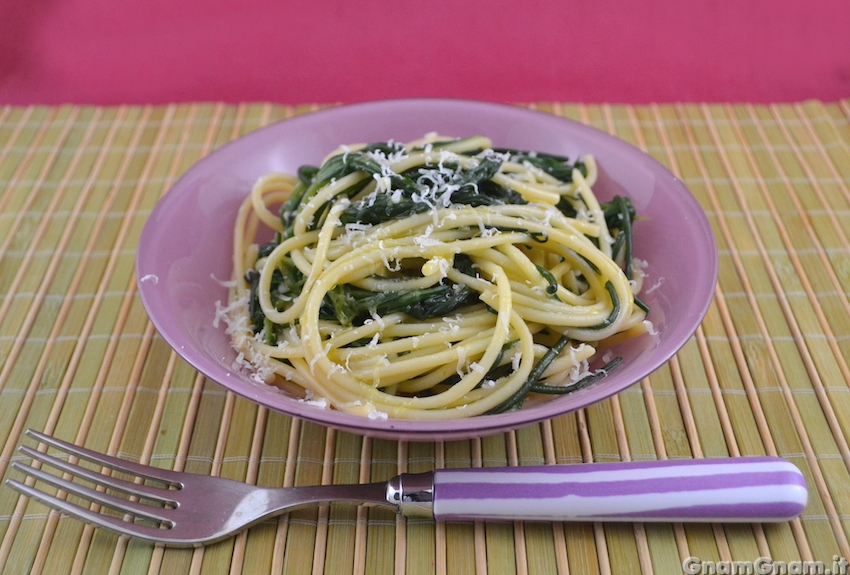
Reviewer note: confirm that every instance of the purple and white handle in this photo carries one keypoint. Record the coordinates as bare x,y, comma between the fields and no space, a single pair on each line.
742,489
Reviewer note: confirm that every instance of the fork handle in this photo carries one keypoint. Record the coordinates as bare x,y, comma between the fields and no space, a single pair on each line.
741,489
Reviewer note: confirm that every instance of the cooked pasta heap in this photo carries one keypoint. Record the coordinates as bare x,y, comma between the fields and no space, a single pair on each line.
437,279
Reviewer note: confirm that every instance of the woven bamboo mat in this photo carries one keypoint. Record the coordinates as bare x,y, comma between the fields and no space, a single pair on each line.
766,373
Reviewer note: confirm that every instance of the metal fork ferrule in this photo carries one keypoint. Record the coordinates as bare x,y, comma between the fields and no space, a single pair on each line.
412,494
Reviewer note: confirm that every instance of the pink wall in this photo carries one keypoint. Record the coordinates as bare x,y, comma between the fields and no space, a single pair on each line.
154,51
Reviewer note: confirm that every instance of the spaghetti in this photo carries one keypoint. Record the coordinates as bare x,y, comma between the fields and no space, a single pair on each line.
436,279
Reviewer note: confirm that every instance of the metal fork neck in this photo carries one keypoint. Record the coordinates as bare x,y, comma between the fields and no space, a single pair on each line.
412,494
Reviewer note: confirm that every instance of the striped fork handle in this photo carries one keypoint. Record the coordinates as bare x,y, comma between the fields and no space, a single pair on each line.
742,489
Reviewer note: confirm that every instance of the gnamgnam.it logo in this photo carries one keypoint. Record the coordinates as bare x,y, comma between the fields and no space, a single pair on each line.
765,566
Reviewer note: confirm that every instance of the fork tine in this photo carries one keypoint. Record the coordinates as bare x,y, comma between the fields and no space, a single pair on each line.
139,510
114,463
139,489
115,524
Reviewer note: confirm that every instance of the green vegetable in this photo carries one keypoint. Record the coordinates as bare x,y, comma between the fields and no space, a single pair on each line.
552,283
619,215
352,306
470,188
515,401
615,311
583,382
556,166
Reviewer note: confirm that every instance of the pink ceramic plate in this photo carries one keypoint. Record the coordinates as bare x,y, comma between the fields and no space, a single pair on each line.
185,247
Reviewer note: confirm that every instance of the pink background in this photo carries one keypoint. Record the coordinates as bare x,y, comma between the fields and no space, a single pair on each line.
156,51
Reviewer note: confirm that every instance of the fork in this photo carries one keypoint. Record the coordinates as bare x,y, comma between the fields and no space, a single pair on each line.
192,510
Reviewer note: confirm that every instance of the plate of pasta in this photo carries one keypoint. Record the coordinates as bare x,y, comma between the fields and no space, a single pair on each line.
427,269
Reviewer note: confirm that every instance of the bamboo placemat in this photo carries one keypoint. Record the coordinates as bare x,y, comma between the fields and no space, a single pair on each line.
766,373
